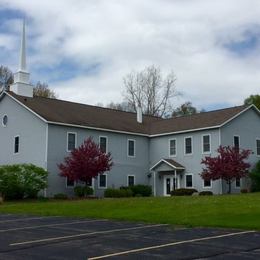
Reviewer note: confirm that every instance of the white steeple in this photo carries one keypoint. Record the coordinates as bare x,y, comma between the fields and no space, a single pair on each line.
22,63
21,85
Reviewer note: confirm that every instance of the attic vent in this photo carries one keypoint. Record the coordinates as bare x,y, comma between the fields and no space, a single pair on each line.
5,120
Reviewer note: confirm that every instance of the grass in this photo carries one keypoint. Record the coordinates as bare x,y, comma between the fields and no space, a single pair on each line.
231,211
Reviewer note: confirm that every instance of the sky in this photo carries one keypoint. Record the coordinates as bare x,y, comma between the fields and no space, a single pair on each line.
84,48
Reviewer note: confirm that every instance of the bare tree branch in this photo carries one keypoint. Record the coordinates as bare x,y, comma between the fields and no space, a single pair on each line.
42,90
150,90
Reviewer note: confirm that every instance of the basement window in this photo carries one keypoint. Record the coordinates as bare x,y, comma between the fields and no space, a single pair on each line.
130,180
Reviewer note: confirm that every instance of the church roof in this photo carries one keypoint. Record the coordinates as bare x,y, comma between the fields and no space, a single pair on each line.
62,112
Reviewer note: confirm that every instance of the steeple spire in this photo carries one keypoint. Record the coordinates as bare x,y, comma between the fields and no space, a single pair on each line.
22,63
21,85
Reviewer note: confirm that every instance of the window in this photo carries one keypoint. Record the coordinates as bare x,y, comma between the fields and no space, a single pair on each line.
69,183
258,147
103,144
5,120
102,181
89,182
16,144
207,183
236,142
130,180
238,183
131,148
188,145
172,147
206,143
189,183
71,142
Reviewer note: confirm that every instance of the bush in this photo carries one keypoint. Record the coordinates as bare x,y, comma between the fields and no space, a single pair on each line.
183,192
79,191
118,193
42,199
206,193
255,177
244,191
141,190
83,191
22,181
60,196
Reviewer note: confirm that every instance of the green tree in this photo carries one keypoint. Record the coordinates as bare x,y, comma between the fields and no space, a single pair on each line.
185,109
19,181
253,99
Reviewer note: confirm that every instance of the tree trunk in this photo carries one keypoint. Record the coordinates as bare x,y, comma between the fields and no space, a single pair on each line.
229,186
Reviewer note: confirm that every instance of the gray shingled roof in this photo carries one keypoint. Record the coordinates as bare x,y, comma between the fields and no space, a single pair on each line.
64,112
174,164
170,162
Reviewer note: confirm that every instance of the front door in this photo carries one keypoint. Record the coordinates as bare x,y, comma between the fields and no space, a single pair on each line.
169,184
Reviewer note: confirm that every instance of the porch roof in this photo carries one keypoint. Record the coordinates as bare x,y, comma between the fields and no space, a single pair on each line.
173,164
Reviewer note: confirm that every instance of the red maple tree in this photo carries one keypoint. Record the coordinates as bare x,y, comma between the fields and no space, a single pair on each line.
85,162
228,165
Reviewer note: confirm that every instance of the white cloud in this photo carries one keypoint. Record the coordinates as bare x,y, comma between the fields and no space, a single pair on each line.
184,35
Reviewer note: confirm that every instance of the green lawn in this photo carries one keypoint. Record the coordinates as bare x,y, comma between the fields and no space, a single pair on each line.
234,211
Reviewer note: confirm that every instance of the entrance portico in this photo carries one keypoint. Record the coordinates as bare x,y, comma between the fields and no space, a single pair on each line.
167,175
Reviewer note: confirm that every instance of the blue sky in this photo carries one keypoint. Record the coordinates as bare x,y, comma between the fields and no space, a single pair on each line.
84,48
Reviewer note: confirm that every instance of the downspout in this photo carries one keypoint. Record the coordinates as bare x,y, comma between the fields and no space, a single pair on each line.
46,154
154,183
220,181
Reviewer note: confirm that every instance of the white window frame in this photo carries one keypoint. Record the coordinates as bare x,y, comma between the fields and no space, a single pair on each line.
169,147
238,140
202,144
103,136
69,187
131,156
187,137
238,187
189,174
92,182
18,145
3,120
100,187
206,187
257,139
76,138
131,175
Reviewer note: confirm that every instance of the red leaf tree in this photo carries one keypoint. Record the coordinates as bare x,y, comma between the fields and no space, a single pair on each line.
228,165
85,162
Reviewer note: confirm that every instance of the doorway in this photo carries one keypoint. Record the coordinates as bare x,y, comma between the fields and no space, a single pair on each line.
170,183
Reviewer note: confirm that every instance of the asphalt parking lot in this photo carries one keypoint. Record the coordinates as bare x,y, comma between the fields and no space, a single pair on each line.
34,237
